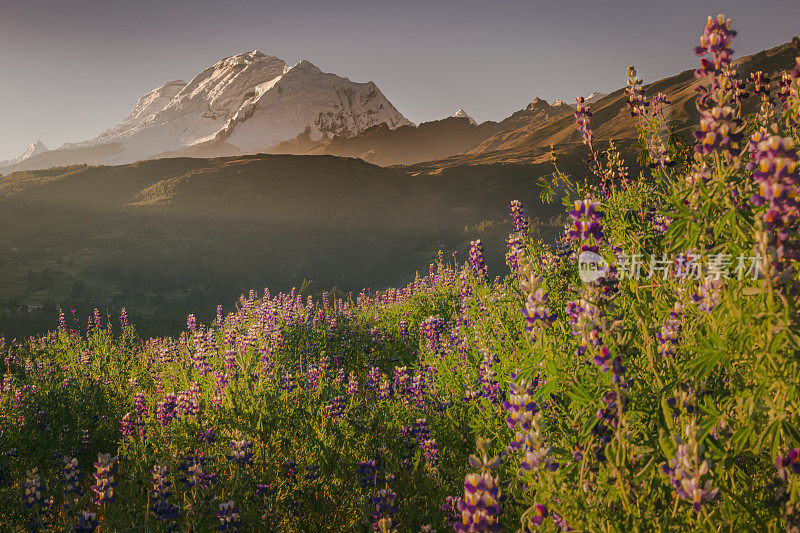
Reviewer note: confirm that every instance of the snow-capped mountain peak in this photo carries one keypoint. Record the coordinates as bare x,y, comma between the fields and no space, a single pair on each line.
251,101
36,148
463,114
154,101
592,98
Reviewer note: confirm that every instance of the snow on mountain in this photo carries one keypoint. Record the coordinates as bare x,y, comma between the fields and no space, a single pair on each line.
35,149
153,102
304,96
463,114
592,98
250,101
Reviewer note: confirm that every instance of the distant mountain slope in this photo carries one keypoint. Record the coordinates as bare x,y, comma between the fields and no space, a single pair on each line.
611,120
525,136
178,235
463,114
247,103
35,149
410,145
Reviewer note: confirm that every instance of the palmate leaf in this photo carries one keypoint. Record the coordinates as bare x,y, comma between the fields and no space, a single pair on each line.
709,357
581,394
741,439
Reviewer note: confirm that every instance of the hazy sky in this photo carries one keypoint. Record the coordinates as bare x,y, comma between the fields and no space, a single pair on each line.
72,68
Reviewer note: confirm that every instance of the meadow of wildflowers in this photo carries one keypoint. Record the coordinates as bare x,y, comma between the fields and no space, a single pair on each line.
659,395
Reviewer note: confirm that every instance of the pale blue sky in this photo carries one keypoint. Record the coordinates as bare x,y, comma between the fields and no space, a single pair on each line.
73,68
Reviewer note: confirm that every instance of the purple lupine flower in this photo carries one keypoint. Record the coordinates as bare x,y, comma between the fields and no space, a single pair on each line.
166,410
520,405
784,90
312,472
191,323
335,407
539,514
241,451
105,468
62,322
188,402
312,376
518,216
636,102
537,311
352,384
194,472
683,400
430,449
658,101
480,506
659,155
264,491
431,328
131,426
490,388
32,487
208,436
287,382
708,295
776,170
686,470
290,470
582,120
585,318
403,327
715,41
123,318
788,464
608,420
228,516
402,381
760,83
661,223
160,493
384,506
719,131
368,470
385,389
586,228
515,246
536,453
127,426
603,359
669,335
476,260
87,522
71,477
450,508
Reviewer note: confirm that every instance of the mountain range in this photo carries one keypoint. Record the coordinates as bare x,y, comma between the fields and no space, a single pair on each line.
252,102
351,198
242,104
